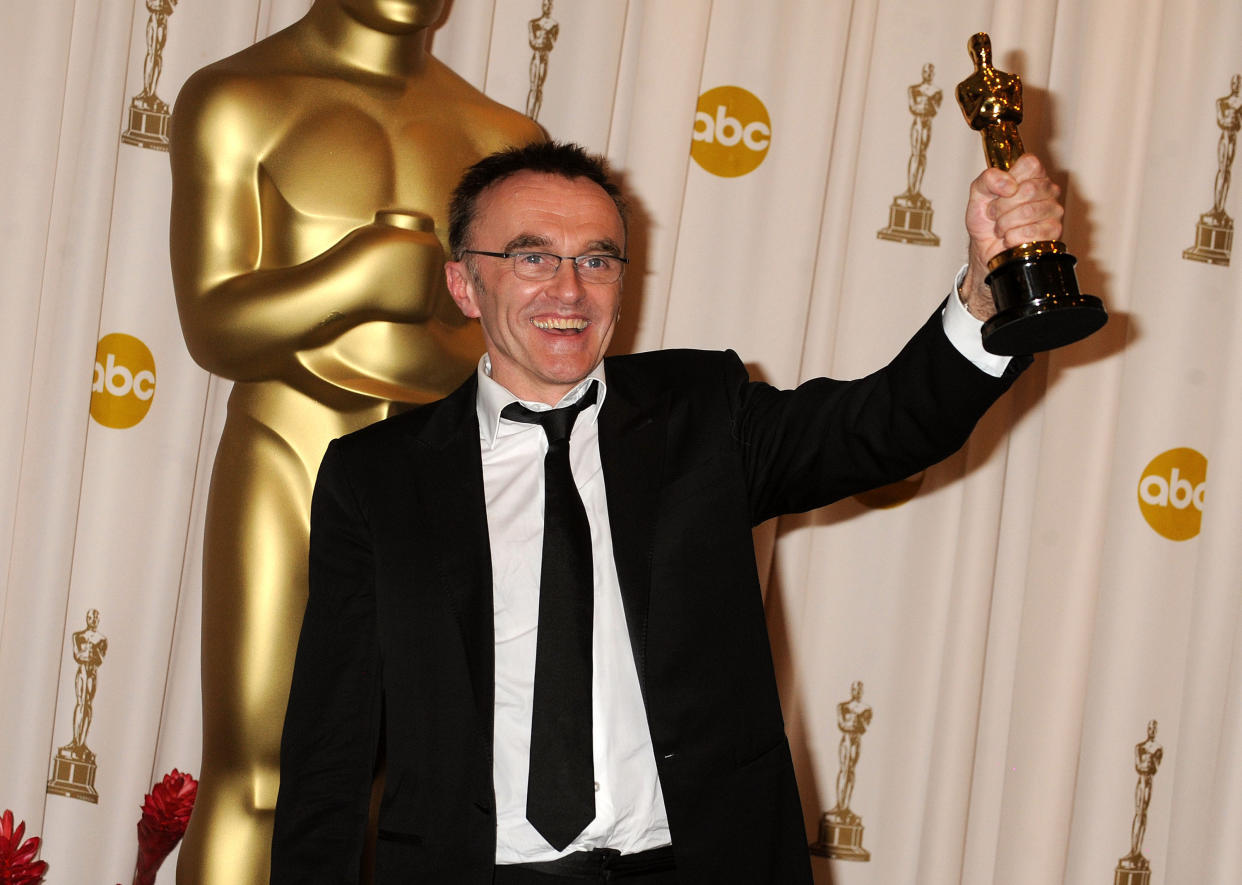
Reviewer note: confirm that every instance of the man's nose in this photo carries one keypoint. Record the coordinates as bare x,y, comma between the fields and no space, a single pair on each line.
566,283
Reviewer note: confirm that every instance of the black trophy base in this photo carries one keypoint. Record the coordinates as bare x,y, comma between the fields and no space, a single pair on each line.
1038,305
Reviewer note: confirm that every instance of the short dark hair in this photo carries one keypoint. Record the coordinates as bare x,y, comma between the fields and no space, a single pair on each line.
551,157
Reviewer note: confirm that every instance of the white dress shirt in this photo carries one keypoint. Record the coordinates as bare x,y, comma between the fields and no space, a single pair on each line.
629,805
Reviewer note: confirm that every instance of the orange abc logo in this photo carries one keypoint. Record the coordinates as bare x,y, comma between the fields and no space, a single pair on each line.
124,381
1171,492
732,132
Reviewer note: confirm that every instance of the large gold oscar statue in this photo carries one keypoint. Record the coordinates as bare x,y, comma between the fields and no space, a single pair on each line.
311,176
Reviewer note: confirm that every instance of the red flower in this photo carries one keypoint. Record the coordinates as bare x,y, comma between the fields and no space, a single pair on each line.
165,814
17,859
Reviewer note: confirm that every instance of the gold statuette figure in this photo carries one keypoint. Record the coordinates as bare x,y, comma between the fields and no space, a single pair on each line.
311,178
73,766
148,113
1038,305
1214,232
1134,869
543,33
910,215
841,830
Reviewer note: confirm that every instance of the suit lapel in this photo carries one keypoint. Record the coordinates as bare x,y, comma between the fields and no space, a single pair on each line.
445,452
632,427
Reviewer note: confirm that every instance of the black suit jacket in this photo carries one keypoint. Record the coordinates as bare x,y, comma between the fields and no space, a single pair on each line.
397,643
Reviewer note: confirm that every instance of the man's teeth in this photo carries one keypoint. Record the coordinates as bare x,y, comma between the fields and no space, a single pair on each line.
576,324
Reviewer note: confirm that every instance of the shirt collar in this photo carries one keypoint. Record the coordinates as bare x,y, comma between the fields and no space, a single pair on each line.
493,397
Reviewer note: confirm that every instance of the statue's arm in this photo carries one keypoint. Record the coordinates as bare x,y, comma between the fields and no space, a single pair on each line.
970,97
244,320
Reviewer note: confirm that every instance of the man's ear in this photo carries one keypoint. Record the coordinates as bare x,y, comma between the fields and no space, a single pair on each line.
461,287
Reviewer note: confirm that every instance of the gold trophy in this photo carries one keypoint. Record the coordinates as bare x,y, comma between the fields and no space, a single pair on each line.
309,172
1038,305
1214,231
910,214
73,766
1134,868
149,114
841,829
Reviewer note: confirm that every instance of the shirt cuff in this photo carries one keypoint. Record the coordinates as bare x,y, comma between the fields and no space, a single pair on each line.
963,332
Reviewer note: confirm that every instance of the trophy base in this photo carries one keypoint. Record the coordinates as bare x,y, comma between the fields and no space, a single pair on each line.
909,221
840,840
1124,876
148,127
1213,240
74,778
1038,305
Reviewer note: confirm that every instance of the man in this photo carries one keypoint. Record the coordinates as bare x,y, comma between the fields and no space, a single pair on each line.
423,629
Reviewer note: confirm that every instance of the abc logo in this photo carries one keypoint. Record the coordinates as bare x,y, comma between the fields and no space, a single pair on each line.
732,131
1170,494
124,381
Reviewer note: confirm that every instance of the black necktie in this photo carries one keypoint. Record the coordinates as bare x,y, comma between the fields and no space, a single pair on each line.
560,792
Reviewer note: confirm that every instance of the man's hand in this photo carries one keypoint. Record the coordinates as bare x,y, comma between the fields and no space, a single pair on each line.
1006,209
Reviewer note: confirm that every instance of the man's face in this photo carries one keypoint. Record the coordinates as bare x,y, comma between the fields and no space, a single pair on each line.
546,336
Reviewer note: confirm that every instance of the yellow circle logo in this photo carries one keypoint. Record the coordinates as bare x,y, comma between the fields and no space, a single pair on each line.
1171,492
124,381
732,132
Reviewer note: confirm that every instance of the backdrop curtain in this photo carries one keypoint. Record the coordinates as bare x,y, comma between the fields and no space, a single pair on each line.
1017,615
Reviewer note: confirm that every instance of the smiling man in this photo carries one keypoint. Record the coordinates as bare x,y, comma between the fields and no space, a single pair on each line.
539,594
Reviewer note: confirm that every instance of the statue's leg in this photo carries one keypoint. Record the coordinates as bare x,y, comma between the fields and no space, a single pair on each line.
254,594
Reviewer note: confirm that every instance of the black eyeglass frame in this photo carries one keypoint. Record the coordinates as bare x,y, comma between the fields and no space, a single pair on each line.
559,259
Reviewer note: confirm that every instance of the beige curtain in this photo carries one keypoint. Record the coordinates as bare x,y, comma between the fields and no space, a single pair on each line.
1017,615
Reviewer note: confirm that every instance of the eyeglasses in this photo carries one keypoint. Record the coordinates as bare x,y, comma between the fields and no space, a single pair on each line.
534,266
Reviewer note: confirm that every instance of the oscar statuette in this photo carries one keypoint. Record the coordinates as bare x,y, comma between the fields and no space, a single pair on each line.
1038,305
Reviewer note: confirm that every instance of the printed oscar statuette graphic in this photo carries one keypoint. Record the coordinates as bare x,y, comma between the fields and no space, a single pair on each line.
1038,303
73,766
1134,869
1214,230
148,113
543,33
841,830
910,214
